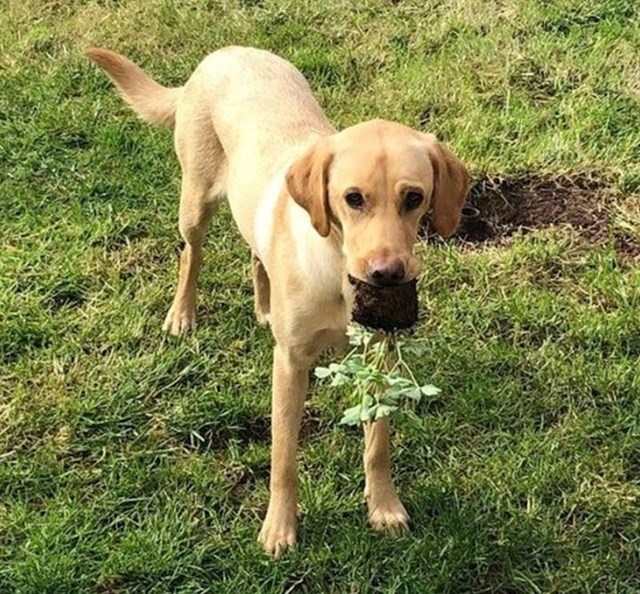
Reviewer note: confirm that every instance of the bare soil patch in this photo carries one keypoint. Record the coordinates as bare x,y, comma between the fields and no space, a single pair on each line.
498,207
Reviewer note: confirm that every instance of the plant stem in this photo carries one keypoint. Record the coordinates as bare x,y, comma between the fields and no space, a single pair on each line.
402,362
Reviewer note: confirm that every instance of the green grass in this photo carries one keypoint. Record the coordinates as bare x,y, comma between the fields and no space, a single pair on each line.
132,462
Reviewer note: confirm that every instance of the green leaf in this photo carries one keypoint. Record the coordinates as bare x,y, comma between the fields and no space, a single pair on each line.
363,374
367,414
390,398
322,372
336,367
354,363
430,390
415,394
383,410
398,380
358,335
351,416
339,379
396,393
375,376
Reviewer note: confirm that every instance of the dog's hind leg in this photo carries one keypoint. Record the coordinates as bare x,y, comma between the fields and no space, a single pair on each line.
203,169
195,214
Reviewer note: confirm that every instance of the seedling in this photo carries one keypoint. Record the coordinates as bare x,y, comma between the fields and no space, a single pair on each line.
382,382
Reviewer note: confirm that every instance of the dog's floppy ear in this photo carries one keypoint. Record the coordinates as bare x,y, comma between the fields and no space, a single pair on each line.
450,185
307,182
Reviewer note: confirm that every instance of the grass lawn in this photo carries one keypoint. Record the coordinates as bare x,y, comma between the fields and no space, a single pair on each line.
134,462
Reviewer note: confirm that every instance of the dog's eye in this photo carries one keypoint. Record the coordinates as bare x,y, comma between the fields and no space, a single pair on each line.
412,200
354,199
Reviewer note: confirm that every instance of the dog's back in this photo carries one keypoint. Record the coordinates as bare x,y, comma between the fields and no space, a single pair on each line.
249,94
241,107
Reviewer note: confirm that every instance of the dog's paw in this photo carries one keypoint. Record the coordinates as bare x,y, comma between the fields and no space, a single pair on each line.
388,514
278,532
180,319
262,318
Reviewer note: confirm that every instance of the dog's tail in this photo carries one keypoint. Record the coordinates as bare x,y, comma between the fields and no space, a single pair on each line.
151,101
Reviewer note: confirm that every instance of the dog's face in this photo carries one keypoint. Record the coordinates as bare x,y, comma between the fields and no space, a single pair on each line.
375,181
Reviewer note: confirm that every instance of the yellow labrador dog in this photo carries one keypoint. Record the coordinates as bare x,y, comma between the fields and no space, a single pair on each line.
314,205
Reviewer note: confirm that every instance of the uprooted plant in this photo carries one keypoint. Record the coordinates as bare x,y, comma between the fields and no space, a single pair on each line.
382,382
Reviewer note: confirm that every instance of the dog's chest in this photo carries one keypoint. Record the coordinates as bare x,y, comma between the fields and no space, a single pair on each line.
300,249
265,218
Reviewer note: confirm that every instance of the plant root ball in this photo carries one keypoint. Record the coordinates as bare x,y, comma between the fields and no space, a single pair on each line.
385,308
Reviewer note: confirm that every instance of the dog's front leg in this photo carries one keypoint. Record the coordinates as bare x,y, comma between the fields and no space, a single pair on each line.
290,384
386,511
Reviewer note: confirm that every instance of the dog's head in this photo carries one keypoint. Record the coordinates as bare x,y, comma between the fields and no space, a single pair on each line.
375,181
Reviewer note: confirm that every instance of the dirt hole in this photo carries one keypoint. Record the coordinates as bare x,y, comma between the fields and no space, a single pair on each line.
499,207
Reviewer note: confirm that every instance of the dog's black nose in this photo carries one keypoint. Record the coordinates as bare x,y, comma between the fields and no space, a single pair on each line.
386,272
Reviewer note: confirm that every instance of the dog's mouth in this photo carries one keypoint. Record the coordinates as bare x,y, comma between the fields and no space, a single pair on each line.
354,280
388,308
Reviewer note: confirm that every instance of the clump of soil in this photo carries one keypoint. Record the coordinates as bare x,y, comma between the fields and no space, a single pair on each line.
498,207
385,308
